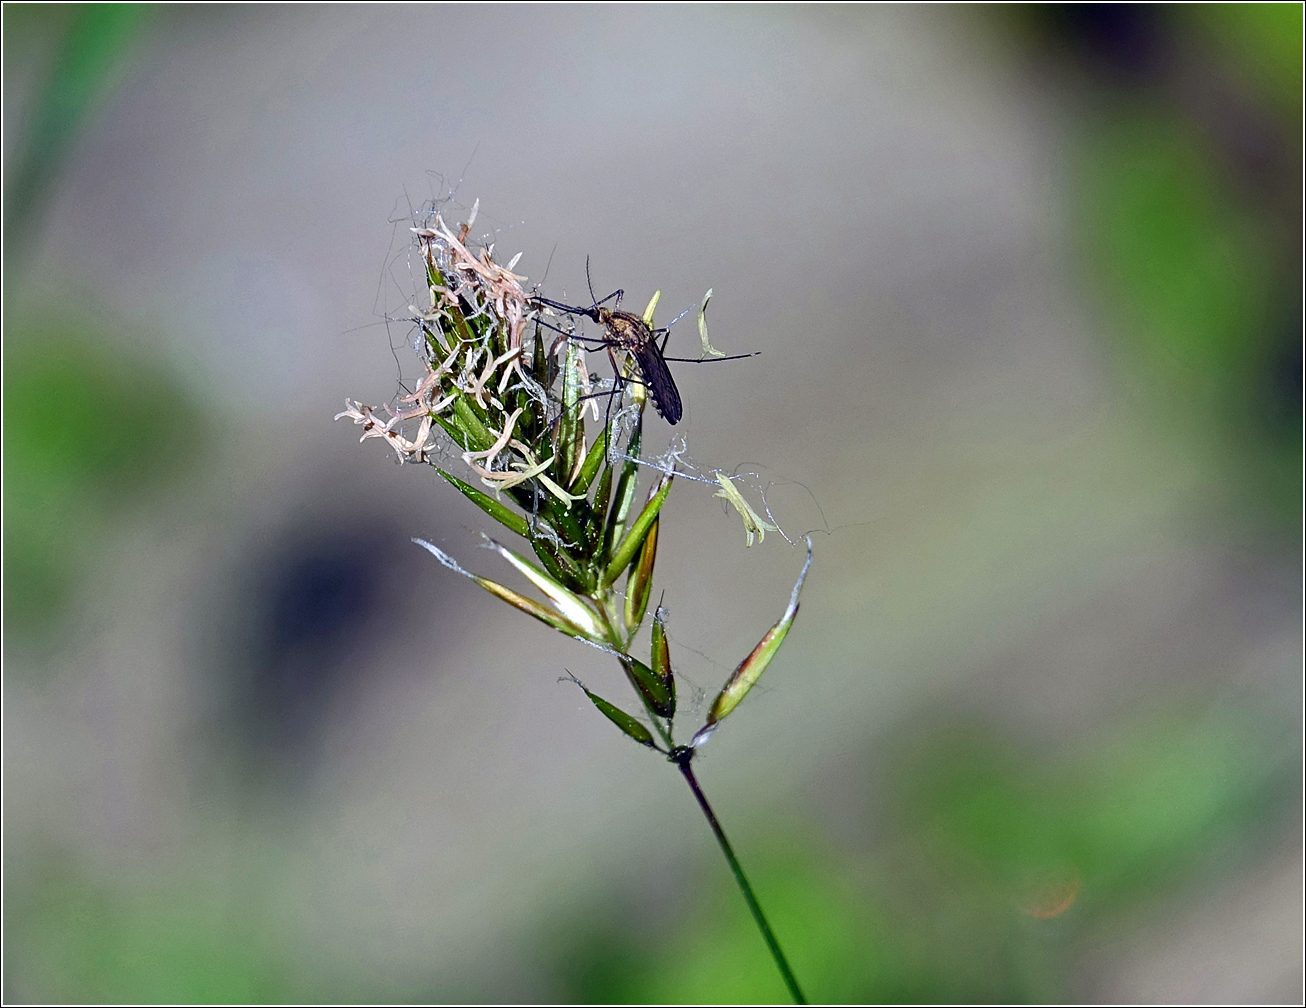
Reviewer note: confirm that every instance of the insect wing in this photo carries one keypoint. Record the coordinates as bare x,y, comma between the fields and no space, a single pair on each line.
666,397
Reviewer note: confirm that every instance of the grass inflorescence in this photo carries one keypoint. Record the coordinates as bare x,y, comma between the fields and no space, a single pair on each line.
554,456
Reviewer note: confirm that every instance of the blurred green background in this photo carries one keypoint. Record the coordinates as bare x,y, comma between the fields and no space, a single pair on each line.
1027,286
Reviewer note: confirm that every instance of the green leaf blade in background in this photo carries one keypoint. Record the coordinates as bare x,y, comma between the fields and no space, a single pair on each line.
97,37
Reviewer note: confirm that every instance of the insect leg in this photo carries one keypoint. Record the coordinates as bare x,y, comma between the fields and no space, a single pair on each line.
711,360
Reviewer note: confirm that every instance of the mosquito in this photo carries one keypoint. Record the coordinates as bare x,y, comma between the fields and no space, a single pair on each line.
632,334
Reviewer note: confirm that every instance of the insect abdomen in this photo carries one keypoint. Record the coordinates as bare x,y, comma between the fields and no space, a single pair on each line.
657,376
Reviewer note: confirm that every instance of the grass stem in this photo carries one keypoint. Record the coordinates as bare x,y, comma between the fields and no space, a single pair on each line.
767,934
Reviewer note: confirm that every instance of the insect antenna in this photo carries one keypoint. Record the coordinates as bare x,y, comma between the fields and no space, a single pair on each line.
593,312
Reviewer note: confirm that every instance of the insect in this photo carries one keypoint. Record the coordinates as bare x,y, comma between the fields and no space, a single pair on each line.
631,333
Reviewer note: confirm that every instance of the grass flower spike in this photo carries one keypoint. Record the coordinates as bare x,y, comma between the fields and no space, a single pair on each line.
500,411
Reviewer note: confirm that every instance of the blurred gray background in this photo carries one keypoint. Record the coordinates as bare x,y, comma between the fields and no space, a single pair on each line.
1026,287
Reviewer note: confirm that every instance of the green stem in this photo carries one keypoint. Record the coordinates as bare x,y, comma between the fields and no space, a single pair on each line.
767,934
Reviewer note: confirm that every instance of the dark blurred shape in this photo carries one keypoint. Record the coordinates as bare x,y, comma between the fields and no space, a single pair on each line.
95,39
1283,379
91,427
311,600
1127,42
308,604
